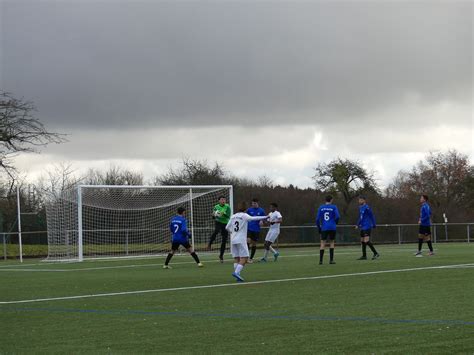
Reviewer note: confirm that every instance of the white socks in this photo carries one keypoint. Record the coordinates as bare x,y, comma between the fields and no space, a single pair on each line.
235,265
265,254
238,268
272,250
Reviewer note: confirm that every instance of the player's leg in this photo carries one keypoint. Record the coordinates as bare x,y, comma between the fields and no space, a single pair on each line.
322,246
254,236
332,238
427,239
225,235
364,246
421,236
242,251
270,239
214,234
370,245
236,262
174,248
191,252
253,248
266,248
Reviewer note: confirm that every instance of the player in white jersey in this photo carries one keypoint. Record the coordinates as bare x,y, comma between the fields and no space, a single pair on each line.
237,226
274,219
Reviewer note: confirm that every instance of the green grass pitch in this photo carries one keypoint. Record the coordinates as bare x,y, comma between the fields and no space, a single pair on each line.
398,304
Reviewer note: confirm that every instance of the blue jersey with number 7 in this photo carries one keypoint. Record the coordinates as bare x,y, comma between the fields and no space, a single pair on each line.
328,217
179,229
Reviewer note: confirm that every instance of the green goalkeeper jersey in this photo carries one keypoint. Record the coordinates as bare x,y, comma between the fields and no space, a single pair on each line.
224,213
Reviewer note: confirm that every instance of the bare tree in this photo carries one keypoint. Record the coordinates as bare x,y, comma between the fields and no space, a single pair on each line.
445,176
113,176
20,131
194,172
59,178
265,181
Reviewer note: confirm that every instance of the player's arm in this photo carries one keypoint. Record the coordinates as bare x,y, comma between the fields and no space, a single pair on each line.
184,229
421,214
337,216
372,218
228,226
227,211
248,217
318,219
359,221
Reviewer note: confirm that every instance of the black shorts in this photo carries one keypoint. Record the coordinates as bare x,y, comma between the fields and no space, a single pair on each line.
365,233
425,230
175,245
253,235
325,235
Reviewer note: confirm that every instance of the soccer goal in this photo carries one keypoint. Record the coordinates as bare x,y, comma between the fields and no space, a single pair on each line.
93,221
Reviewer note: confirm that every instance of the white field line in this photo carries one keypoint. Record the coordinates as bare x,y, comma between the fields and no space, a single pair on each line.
353,249
96,268
231,284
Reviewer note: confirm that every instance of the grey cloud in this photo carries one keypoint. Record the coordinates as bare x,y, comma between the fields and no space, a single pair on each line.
150,64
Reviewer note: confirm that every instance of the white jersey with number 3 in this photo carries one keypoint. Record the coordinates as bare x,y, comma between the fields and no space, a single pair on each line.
238,225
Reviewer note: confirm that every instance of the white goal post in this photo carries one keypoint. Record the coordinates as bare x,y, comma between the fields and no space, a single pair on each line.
107,221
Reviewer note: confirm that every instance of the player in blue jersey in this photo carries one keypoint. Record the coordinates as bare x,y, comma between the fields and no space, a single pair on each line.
326,221
424,233
253,233
366,223
179,229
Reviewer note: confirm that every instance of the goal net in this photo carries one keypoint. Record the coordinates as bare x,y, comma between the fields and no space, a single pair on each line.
125,221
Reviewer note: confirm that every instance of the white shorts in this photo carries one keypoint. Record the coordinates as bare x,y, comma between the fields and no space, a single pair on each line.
239,250
272,236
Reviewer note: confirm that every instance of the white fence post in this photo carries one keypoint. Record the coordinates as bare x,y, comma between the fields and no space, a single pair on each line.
80,249
4,247
191,216
126,241
20,242
399,235
468,233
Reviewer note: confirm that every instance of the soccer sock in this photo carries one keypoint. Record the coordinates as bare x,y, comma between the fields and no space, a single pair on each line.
168,258
420,243
221,255
272,250
235,265
265,254
371,246
253,251
239,268
321,255
430,245
331,254
195,257
364,249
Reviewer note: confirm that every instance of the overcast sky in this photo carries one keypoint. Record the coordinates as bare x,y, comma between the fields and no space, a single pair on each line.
264,87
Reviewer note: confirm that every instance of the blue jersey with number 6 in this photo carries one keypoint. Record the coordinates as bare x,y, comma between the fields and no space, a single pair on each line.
179,229
328,217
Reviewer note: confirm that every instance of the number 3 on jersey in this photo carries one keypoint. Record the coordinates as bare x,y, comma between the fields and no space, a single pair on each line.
236,226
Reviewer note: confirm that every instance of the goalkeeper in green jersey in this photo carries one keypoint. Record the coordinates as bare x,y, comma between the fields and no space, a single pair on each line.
221,214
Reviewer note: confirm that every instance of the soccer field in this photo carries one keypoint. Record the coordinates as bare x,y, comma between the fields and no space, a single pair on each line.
397,304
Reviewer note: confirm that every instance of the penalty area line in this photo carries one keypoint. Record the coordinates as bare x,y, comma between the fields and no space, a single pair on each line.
124,293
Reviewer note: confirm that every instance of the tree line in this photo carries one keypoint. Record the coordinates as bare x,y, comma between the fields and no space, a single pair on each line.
447,177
